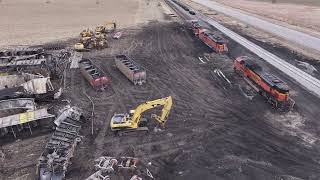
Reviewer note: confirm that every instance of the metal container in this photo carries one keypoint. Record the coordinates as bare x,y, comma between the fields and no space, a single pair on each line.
92,74
134,72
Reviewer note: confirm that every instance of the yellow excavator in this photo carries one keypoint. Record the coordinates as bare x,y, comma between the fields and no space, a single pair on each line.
125,123
108,27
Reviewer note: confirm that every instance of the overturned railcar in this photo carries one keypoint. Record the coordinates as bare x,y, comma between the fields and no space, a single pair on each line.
133,71
56,157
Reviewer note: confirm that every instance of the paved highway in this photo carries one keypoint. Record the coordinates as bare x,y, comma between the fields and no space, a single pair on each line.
286,33
306,80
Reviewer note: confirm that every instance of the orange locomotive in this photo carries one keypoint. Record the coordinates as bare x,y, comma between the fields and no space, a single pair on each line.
268,85
211,39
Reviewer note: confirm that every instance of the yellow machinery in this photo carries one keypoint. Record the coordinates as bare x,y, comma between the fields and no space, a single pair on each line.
108,27
86,44
130,122
86,33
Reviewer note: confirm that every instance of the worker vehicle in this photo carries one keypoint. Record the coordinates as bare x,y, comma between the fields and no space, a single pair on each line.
125,123
91,43
108,27
268,85
96,78
214,41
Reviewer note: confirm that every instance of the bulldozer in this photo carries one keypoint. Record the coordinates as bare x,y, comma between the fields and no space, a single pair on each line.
88,43
86,33
125,123
108,27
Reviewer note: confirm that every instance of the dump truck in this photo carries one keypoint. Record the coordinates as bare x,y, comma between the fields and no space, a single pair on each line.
132,70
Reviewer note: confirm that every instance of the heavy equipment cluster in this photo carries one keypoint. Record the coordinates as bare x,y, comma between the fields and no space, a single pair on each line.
96,39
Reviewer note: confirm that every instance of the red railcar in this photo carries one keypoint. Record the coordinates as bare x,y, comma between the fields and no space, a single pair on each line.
268,85
92,74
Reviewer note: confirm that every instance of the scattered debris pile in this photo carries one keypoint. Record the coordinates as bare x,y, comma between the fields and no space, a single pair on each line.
24,85
106,166
22,58
58,152
19,114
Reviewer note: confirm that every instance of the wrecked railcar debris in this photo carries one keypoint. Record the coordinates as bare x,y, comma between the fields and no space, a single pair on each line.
104,166
21,52
58,152
26,85
19,114
38,61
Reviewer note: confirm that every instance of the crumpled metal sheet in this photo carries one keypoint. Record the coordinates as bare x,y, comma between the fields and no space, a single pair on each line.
32,84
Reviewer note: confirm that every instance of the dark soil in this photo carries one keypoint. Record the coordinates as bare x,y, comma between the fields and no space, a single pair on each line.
213,131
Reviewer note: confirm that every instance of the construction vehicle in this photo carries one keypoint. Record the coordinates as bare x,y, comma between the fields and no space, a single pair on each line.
131,122
271,87
108,27
89,43
86,33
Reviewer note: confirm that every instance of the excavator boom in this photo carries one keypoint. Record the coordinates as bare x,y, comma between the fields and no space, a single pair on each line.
133,120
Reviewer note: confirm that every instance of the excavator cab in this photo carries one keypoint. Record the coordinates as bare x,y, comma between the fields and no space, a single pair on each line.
130,122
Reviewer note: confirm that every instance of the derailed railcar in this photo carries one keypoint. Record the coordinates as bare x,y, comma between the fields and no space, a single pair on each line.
96,78
133,71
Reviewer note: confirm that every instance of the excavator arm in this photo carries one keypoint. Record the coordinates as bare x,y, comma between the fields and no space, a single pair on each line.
165,102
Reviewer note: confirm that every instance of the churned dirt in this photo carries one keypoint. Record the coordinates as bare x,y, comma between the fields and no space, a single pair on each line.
213,130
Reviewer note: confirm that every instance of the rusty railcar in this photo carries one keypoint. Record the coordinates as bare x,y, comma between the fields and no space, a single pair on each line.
133,71
95,77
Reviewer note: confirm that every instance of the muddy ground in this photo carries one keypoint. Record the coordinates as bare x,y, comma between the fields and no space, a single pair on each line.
213,131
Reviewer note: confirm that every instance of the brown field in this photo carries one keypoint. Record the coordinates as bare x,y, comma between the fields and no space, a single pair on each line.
304,2
305,17
39,21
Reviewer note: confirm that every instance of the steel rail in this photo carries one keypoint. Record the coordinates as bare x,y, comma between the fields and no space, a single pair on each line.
310,83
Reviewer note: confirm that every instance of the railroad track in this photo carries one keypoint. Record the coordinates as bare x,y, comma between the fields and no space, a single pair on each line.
309,82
